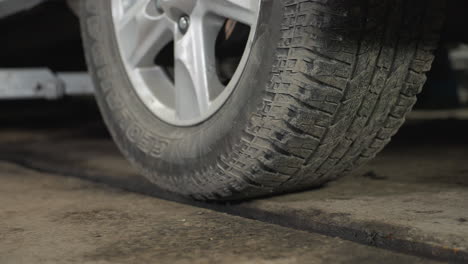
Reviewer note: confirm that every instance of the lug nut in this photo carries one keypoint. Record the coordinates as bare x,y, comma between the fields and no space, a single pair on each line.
184,24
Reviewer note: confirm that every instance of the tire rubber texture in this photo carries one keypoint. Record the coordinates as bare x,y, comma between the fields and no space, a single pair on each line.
327,85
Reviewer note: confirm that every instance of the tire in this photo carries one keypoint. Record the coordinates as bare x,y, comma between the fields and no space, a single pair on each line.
327,84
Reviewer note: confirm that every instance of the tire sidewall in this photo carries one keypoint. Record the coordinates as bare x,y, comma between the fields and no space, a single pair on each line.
153,143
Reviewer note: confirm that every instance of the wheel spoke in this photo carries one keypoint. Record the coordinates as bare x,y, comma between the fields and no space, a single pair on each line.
142,35
196,79
244,11
177,8
163,88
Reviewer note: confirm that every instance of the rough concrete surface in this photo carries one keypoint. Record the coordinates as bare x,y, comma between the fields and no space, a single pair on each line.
412,198
55,219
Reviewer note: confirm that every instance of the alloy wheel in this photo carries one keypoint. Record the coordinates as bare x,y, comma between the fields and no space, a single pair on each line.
175,52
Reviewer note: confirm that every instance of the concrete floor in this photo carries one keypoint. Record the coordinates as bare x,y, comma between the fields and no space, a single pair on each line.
412,199
55,219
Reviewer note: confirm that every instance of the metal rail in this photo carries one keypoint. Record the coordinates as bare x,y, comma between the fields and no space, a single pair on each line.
43,83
